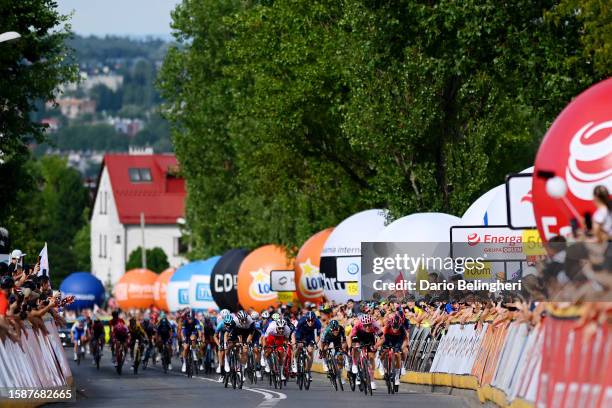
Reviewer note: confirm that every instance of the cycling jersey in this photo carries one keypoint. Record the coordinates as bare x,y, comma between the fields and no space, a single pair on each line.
365,334
77,331
337,340
121,332
98,330
276,339
271,331
306,333
164,329
190,328
149,329
137,332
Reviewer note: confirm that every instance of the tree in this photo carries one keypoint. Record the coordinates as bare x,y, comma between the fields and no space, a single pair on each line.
31,68
288,116
81,245
157,260
52,209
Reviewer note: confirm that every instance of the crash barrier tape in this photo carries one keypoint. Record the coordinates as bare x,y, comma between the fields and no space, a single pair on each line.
555,364
38,361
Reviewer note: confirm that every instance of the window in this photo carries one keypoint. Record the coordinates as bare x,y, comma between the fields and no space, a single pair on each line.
180,246
118,239
140,175
105,252
104,202
100,247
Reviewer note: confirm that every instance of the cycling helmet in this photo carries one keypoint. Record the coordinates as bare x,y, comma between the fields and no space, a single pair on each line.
396,321
265,314
115,314
280,324
162,315
311,316
365,319
227,319
242,316
254,315
334,325
276,317
224,313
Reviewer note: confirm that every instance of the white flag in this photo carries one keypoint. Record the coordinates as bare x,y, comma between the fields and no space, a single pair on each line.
44,262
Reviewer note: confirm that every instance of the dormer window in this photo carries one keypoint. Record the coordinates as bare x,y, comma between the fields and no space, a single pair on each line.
140,175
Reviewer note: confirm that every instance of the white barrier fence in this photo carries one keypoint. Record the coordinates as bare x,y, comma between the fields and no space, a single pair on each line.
38,361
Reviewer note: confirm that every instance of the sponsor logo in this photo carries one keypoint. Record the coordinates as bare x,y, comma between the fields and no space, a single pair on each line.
311,282
203,293
225,283
183,296
260,286
527,198
589,161
474,239
352,268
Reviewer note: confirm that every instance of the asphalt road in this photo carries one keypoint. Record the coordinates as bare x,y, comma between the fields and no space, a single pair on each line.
153,388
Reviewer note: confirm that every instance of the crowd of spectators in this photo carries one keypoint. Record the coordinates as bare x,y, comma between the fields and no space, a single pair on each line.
26,295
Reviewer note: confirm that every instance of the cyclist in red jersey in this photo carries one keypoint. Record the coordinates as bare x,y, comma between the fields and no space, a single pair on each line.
394,336
364,333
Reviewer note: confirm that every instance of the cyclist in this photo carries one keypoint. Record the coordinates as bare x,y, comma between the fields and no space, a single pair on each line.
220,336
276,337
112,323
121,337
333,335
364,333
208,332
242,332
136,333
165,334
190,327
257,341
394,336
149,329
306,334
97,334
78,332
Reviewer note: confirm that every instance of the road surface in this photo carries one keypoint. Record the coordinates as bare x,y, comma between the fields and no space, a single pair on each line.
153,388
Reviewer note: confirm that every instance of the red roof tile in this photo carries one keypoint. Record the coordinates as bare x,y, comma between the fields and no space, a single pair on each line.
162,200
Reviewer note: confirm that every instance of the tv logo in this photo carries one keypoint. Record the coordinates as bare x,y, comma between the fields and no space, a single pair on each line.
203,293
183,296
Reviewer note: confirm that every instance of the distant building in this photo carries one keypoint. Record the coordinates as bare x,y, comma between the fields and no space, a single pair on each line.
74,107
87,81
126,126
130,185
52,124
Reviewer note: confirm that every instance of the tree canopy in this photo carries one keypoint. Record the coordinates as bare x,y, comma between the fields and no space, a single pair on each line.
157,260
289,116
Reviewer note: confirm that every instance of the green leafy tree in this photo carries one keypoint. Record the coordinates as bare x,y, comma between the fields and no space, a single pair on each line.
287,116
157,260
81,245
52,210
31,68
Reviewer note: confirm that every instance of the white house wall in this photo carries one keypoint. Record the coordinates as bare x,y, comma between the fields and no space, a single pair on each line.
162,236
107,262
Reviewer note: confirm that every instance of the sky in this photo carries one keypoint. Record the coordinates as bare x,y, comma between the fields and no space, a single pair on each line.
137,18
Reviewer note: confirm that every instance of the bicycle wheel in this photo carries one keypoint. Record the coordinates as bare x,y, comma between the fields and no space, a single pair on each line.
331,371
338,371
136,359
365,373
389,376
194,361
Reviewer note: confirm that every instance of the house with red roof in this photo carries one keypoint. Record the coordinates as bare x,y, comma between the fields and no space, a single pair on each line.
136,188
